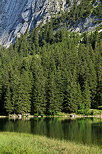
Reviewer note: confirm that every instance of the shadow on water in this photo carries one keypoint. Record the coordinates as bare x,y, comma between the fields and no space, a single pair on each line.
84,130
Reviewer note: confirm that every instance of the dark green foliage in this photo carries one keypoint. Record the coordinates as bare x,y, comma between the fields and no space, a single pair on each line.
38,89
48,71
53,101
98,10
23,94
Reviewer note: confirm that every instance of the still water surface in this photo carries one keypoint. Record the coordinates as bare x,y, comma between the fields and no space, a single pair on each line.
85,130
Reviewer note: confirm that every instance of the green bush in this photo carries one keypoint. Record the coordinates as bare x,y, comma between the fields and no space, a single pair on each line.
84,112
100,107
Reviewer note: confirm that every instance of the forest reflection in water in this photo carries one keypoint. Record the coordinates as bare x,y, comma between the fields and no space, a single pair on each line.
83,130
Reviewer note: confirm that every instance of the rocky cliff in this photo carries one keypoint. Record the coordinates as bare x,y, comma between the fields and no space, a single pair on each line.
18,16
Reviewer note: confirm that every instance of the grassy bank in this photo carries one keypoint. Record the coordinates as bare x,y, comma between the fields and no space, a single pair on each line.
14,143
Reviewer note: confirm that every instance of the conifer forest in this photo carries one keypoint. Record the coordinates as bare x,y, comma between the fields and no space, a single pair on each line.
52,70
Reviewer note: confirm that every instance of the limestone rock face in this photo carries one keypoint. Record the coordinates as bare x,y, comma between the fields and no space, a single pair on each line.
19,16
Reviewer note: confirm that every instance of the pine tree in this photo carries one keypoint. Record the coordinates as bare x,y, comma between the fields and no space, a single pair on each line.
38,92
23,102
53,100
35,38
8,103
23,48
87,96
1,93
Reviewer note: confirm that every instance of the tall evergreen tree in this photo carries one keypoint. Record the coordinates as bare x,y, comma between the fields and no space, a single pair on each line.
38,92
23,102
87,96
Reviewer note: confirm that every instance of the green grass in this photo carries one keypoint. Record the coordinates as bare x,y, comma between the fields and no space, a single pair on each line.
15,143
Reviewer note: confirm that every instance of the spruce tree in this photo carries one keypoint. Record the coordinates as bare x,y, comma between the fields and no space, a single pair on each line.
23,102
87,96
38,91
8,103
53,101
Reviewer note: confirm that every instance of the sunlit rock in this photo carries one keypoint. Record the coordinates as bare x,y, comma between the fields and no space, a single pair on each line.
18,16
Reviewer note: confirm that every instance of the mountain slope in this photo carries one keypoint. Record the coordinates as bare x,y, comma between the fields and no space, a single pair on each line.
16,17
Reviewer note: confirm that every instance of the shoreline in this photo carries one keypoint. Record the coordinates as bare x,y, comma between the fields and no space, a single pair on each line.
3,117
69,116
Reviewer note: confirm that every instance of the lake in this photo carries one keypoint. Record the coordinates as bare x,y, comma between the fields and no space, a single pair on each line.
84,130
